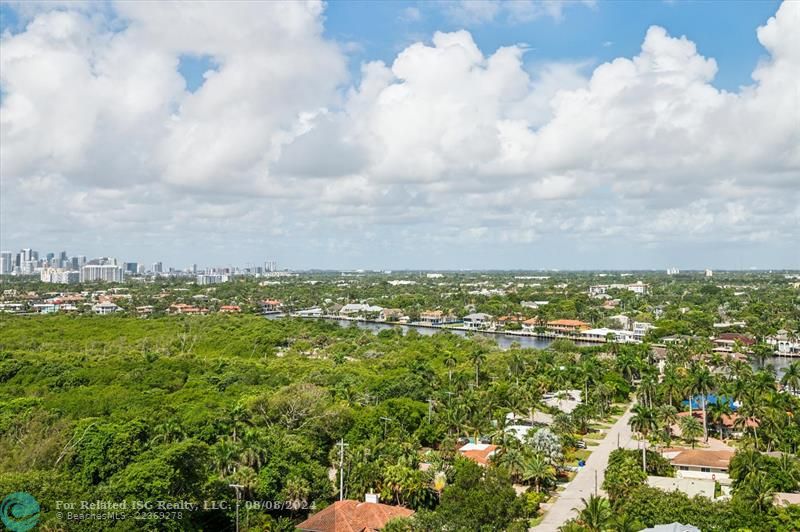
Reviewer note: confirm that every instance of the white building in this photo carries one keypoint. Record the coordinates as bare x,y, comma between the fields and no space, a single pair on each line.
206,279
784,343
478,320
639,288
103,309
109,273
353,309
640,330
60,276
709,273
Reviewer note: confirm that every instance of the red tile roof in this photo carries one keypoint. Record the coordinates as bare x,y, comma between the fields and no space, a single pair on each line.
353,516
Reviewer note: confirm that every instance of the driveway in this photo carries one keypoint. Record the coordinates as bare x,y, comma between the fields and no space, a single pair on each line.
583,484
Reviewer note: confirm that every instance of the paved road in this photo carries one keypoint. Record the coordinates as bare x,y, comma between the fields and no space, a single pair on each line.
583,484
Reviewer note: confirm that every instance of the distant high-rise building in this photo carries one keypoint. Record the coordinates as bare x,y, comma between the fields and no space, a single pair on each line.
673,271
81,261
50,256
709,273
6,262
130,267
25,255
110,273
270,266
158,267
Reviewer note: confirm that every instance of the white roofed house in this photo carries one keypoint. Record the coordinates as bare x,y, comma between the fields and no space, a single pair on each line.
359,309
478,320
105,308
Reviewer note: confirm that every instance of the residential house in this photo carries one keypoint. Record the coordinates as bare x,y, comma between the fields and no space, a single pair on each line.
230,309
785,344
391,314
531,325
183,308
478,320
567,326
640,330
103,309
701,463
270,305
354,516
434,317
314,312
480,453
725,342
359,309
622,320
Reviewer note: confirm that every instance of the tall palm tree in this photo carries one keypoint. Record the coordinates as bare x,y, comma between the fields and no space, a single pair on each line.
595,514
516,365
513,458
667,415
478,357
671,384
644,422
450,361
702,384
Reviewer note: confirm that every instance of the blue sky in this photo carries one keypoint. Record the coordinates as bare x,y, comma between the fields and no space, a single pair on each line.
723,30
483,134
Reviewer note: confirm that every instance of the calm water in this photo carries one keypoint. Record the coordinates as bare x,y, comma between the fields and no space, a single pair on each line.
504,341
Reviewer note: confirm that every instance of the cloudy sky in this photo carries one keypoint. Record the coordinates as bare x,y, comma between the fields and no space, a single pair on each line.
481,134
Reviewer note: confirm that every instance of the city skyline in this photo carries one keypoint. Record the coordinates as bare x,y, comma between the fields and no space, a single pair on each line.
456,135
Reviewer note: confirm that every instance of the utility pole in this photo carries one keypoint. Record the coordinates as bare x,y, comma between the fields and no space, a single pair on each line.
237,487
342,445
595,482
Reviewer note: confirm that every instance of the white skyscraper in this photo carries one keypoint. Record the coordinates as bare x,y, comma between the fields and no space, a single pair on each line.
109,273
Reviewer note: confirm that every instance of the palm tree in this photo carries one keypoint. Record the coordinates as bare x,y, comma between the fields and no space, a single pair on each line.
791,377
596,513
691,429
758,493
514,460
478,356
516,365
450,361
667,415
644,422
718,411
702,383
537,469
671,384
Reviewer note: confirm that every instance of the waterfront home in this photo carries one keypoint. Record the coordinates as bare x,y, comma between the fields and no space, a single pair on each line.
478,320
359,309
270,305
604,334
435,317
354,516
567,326
532,325
725,342
785,343
391,314
314,312
230,309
